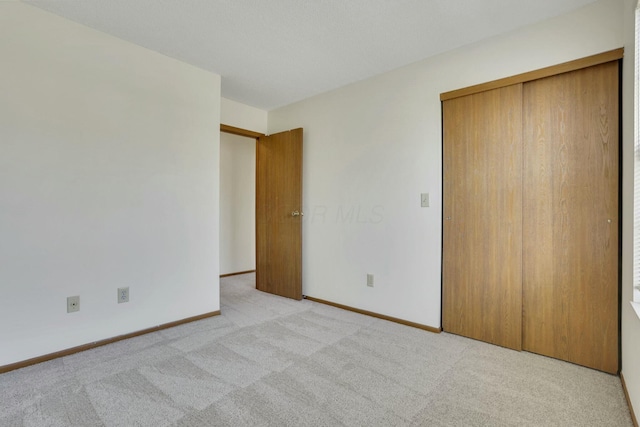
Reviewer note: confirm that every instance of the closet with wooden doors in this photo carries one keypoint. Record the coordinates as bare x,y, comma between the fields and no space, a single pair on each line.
531,212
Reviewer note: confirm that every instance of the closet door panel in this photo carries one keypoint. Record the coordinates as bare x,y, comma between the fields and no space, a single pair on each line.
482,232
570,217
545,298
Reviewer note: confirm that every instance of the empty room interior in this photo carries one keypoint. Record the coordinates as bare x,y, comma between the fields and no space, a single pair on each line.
319,213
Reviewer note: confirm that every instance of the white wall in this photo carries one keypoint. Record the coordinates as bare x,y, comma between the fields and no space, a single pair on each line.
242,116
108,178
630,321
237,203
372,147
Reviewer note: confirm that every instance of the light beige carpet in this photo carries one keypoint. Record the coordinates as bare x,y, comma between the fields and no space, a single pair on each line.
269,361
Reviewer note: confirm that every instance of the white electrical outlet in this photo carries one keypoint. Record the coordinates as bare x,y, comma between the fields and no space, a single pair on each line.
73,304
123,295
370,280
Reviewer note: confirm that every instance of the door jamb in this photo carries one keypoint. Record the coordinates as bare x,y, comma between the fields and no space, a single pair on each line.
249,134
239,131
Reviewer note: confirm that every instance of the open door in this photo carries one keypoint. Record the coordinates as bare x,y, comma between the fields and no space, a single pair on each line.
279,214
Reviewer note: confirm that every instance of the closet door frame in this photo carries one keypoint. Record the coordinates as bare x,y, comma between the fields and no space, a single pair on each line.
589,61
602,58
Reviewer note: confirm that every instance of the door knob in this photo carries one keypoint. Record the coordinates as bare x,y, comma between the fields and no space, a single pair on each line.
297,213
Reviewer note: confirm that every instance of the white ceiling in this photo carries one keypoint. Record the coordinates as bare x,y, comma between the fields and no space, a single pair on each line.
271,53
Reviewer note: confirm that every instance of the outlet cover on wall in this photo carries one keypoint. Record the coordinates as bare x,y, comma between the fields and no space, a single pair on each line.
370,280
73,304
123,295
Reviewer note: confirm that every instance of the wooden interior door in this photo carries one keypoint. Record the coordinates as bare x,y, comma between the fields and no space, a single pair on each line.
278,227
482,232
570,219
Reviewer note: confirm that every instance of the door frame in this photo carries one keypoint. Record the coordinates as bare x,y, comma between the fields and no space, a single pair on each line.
241,132
232,130
294,292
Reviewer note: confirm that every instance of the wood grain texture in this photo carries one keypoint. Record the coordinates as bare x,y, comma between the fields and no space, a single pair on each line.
570,217
278,233
239,131
84,347
565,67
482,232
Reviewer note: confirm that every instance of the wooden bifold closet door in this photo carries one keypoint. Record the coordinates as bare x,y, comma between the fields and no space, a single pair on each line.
530,234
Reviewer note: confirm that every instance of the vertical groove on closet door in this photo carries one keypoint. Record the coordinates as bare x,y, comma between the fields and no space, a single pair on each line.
570,217
482,242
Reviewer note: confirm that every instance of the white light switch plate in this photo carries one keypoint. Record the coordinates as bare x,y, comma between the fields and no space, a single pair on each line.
370,280
424,200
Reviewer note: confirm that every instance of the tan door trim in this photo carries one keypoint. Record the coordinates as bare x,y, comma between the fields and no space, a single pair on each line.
239,131
232,130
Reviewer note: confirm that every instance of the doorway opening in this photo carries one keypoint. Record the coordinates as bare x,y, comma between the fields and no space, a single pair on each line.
278,210
237,204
